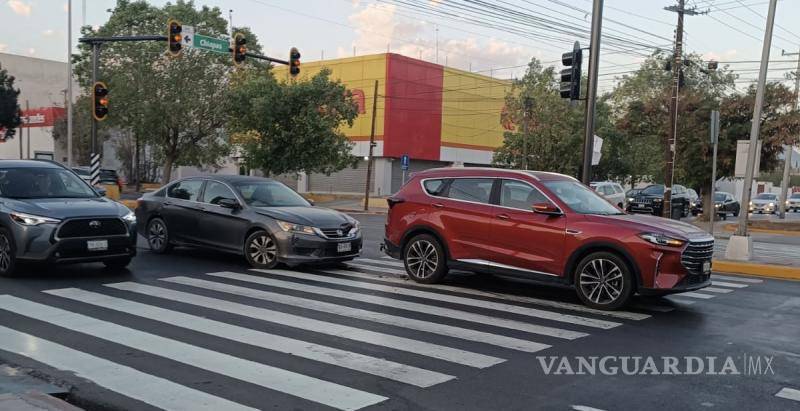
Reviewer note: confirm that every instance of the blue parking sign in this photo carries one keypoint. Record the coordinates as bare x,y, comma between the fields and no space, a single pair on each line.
404,162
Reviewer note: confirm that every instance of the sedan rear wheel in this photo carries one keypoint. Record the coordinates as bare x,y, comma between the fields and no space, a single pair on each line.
425,259
8,258
158,236
261,250
603,281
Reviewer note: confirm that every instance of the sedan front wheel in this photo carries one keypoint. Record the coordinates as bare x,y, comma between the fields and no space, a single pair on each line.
261,250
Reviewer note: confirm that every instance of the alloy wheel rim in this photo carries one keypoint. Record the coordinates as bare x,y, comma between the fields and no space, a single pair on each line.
422,259
601,281
157,235
5,253
262,250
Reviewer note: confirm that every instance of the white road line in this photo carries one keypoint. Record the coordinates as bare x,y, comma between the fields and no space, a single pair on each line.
726,284
391,263
149,389
739,279
304,349
510,297
789,394
382,270
472,302
585,408
407,305
298,385
692,294
717,290
350,312
337,330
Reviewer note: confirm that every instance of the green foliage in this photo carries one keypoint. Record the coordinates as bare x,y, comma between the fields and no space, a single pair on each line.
81,130
9,107
292,127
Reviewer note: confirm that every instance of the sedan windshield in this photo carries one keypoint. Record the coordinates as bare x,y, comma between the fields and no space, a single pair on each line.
656,189
22,183
580,198
269,194
719,197
766,196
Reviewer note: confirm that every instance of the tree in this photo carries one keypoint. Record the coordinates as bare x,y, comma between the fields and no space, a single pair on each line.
289,127
9,107
171,105
81,130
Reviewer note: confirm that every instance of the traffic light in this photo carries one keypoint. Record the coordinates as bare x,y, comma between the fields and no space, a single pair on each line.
100,100
571,76
294,62
239,48
174,37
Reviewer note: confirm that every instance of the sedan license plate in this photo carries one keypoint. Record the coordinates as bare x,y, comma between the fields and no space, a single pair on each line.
707,267
97,245
343,247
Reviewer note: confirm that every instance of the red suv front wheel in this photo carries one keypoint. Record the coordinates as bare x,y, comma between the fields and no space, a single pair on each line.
603,281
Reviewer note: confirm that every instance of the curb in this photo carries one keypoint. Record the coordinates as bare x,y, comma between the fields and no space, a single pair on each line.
758,270
730,229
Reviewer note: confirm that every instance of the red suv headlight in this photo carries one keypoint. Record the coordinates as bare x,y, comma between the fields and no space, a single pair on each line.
661,239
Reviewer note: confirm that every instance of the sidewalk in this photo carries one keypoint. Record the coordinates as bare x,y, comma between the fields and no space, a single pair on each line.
20,391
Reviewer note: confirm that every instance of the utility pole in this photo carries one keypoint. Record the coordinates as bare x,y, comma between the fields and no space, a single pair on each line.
28,109
527,104
787,156
672,136
712,210
740,245
69,84
591,92
371,145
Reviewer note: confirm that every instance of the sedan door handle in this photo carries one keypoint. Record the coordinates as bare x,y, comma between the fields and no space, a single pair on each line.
437,205
503,216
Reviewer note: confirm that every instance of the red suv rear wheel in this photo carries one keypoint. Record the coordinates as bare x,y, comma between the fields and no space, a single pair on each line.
425,259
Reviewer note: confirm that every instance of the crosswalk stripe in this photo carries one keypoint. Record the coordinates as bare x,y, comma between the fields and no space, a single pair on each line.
391,263
789,394
693,294
453,355
516,298
508,308
149,389
739,279
382,270
717,290
304,349
727,284
407,305
298,385
343,310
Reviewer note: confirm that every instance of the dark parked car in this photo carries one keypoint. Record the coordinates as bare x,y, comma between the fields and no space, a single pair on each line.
725,204
650,201
545,227
48,214
262,219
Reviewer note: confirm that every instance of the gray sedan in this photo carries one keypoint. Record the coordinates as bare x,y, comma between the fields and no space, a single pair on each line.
262,219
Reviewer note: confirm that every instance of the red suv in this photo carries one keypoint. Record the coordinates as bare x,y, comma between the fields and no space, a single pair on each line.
542,226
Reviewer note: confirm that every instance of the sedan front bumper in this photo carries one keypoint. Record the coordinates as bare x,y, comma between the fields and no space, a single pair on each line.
296,249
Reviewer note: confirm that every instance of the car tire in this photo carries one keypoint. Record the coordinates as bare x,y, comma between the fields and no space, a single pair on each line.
118,263
158,236
261,250
603,281
8,253
425,259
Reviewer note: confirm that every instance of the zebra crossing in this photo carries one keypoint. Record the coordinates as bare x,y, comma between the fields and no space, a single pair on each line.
399,334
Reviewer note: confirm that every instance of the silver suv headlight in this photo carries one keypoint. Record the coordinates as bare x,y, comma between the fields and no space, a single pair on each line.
30,219
129,218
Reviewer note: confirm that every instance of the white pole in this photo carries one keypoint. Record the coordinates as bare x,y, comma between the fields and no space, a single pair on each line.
69,82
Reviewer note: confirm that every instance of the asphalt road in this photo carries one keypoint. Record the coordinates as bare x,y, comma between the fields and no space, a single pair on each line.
197,330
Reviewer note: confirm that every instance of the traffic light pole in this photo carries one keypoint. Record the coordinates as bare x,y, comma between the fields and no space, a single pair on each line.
591,96
371,146
94,158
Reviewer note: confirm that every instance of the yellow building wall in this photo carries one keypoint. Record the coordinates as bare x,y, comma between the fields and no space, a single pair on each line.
471,107
358,74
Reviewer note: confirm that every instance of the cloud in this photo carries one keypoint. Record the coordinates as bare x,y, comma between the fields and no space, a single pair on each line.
20,7
66,7
31,51
48,32
3,48
378,29
725,55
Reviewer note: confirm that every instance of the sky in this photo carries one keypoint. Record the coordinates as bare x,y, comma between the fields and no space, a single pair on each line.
447,31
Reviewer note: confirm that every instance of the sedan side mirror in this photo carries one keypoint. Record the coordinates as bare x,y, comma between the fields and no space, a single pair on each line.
229,203
546,208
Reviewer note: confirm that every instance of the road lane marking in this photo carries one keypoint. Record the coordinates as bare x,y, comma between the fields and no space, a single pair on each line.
585,408
789,394
407,305
510,297
382,270
304,349
739,279
727,284
718,290
422,348
472,302
149,389
374,316
391,263
692,294
292,383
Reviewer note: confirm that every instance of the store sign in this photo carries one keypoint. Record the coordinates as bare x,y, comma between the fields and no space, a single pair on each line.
41,117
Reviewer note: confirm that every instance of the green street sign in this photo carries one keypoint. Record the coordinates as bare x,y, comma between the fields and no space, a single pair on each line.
210,43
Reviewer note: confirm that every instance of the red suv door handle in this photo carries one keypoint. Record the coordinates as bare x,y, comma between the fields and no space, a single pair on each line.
503,216
437,205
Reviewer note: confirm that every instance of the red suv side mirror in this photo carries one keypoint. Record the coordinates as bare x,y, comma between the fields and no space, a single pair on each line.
546,208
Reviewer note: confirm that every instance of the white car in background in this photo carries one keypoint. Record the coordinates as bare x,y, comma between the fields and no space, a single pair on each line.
793,202
764,203
612,192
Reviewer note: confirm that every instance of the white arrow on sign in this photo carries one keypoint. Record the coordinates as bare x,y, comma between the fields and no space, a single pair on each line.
188,36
